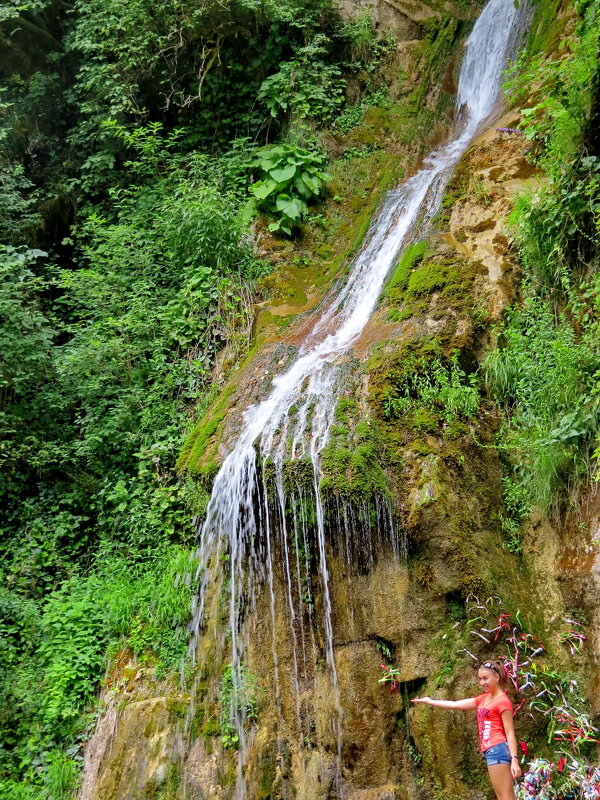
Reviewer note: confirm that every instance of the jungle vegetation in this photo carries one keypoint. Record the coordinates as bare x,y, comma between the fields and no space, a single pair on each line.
130,136
137,142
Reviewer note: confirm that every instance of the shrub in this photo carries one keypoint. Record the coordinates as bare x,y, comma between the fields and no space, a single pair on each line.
71,653
306,86
290,178
444,390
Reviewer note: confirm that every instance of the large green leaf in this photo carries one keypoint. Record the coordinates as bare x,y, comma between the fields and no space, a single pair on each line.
283,175
311,183
292,207
266,164
263,189
302,188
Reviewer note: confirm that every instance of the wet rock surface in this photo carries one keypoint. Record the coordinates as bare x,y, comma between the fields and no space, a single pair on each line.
131,752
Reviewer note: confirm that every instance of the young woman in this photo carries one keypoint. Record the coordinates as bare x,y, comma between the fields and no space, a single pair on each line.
495,723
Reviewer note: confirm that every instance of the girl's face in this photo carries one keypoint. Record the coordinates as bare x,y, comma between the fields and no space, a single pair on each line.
488,679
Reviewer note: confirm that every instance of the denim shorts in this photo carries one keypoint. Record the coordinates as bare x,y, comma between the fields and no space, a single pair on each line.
498,754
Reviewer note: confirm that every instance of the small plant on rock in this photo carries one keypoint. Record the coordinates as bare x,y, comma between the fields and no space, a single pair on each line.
239,703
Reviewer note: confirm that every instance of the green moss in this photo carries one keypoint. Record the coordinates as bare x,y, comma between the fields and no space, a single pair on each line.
399,314
426,280
198,440
298,474
389,176
411,257
352,463
415,280
443,35
389,370
547,27
177,708
211,727
424,420
454,430
422,572
267,774
445,648
166,789
345,405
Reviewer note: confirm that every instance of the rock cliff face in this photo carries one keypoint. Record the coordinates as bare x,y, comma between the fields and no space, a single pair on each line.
395,16
397,588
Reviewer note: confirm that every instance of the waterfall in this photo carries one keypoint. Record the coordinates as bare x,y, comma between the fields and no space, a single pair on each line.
244,523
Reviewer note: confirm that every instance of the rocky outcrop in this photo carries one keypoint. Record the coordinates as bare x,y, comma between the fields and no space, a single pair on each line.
401,18
133,752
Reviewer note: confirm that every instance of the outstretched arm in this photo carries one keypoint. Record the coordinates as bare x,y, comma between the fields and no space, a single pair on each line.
460,705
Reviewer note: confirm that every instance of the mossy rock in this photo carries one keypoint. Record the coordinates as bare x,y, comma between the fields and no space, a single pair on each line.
426,280
424,420
352,463
399,314
401,275
389,370
211,727
194,449
298,474
547,27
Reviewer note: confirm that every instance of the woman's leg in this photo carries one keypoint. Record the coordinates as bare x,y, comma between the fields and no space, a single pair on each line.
502,781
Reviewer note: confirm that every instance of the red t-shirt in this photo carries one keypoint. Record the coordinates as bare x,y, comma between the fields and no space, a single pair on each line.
489,719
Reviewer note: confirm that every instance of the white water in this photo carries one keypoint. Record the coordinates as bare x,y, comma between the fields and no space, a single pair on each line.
232,536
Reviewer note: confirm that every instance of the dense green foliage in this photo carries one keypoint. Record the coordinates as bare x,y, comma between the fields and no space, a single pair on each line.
431,392
130,136
290,178
545,372
100,364
547,378
136,142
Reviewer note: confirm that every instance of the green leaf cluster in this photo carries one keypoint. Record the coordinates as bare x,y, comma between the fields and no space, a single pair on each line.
306,86
445,391
547,379
290,178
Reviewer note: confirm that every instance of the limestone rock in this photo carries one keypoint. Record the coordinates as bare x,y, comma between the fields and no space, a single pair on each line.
130,752
201,773
399,17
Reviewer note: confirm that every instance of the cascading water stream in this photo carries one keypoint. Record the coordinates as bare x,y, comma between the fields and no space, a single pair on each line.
237,537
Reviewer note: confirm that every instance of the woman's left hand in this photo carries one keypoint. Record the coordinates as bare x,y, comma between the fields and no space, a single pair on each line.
515,769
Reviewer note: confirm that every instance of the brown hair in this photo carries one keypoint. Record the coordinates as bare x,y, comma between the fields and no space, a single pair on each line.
499,668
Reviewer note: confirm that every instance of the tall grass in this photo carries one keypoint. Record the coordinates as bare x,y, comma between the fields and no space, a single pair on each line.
545,371
545,377
141,605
